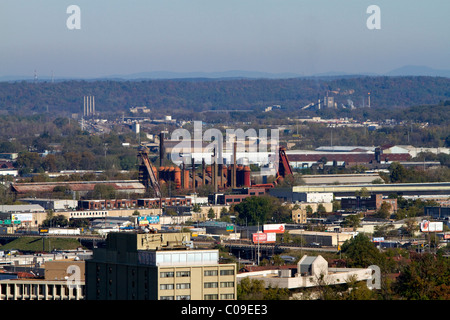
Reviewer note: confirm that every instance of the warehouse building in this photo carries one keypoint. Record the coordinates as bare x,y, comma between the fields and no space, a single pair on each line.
75,188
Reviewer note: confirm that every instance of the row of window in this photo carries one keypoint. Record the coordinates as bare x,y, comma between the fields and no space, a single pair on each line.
227,296
171,286
88,214
171,274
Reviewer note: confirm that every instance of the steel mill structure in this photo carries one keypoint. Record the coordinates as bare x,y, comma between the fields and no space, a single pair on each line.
218,175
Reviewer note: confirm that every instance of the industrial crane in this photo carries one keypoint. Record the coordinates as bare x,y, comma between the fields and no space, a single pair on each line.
147,173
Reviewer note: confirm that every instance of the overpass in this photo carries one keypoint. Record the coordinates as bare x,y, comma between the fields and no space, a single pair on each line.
438,188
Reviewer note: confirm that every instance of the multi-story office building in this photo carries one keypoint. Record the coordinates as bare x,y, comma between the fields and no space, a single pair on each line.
157,266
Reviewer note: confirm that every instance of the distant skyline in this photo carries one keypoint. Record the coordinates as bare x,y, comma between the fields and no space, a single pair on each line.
303,37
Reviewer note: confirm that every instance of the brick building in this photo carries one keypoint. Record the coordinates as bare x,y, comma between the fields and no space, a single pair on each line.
372,203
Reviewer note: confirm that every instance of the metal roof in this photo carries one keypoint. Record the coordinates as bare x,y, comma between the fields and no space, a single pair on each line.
76,186
308,260
347,157
22,208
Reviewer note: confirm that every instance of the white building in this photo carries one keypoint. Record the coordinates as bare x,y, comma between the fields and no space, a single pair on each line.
53,204
312,271
414,151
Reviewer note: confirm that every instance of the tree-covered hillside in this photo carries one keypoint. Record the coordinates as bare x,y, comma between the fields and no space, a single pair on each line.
192,96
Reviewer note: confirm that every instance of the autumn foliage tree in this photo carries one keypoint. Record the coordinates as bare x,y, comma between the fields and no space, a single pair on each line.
427,277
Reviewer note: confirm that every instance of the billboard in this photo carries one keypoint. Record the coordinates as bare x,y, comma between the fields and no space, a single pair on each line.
23,217
146,220
262,237
43,230
428,226
276,228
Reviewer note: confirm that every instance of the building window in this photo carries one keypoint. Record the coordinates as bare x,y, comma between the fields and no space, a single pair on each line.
183,273
211,285
166,274
228,296
229,272
184,297
166,286
183,285
166,298
227,284
208,273
211,297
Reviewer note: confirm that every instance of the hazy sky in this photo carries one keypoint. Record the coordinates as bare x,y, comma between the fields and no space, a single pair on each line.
300,36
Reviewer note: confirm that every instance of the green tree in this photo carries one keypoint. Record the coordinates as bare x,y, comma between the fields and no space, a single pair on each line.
410,227
384,211
252,289
79,223
55,221
398,173
361,252
363,193
196,208
383,230
254,210
28,162
358,291
352,221
211,213
103,191
321,210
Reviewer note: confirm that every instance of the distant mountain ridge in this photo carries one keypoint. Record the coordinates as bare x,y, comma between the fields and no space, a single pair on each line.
408,70
419,71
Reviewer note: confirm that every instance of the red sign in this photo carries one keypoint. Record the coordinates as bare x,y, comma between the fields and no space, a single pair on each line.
276,228
264,237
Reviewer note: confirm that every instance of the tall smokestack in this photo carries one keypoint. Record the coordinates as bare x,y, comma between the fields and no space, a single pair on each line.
84,106
193,174
233,172
161,149
221,174
203,172
93,105
215,169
